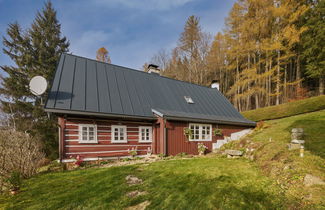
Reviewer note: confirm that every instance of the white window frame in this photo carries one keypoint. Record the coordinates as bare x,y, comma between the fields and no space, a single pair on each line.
191,138
81,126
125,140
150,134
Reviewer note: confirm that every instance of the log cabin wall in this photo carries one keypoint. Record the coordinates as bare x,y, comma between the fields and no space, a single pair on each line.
177,142
71,147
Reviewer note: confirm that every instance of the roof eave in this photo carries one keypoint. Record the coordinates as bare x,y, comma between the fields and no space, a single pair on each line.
97,114
187,119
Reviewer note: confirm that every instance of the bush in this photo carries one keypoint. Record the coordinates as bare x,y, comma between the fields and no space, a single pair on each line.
14,181
19,153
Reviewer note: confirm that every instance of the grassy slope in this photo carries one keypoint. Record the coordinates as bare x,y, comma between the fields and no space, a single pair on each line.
204,183
285,166
287,109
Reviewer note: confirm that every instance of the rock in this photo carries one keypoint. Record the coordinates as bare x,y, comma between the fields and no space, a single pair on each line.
140,206
294,146
286,167
297,133
234,152
310,180
133,180
135,193
295,141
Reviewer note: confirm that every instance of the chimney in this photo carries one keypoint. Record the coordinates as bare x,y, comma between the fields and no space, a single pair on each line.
215,84
153,69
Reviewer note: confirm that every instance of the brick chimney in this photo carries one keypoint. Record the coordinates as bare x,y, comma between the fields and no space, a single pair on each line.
153,69
215,84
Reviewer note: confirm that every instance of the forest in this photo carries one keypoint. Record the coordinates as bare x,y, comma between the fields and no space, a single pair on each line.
270,52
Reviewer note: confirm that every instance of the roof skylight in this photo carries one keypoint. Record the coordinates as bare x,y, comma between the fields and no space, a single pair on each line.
189,100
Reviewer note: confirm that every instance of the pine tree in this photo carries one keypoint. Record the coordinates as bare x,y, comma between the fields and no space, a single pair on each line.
35,51
314,43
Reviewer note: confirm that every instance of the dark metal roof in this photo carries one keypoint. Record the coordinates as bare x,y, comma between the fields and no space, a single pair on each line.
85,86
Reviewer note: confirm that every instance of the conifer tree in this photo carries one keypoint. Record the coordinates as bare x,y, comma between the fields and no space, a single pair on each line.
34,51
314,43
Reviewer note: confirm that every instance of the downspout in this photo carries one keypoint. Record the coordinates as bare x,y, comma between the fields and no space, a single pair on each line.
61,125
165,138
60,152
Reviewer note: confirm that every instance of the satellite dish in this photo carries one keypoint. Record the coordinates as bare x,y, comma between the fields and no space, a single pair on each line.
38,85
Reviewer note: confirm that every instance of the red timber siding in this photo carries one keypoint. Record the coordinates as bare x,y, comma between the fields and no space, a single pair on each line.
104,147
177,142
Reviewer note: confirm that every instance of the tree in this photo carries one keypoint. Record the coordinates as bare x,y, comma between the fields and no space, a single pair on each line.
102,55
188,59
35,51
161,59
314,43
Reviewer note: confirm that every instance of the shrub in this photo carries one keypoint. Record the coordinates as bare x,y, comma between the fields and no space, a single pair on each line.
133,151
217,132
14,181
201,148
19,153
182,154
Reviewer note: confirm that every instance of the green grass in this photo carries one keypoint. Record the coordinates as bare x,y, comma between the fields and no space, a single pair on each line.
287,167
288,109
203,183
312,123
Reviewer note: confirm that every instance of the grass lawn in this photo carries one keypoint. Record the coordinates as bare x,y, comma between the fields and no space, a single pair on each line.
287,167
312,123
201,183
286,110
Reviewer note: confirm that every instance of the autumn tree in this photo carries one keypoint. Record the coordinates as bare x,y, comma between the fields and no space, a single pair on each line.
102,55
258,58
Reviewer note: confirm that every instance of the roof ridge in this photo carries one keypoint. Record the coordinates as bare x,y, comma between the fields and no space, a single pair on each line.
136,70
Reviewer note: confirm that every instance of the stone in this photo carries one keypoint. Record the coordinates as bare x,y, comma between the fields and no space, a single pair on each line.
286,167
297,134
294,146
295,141
135,193
140,206
311,180
133,180
234,152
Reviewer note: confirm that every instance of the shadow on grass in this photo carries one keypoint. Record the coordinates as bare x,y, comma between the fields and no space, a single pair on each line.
314,135
224,192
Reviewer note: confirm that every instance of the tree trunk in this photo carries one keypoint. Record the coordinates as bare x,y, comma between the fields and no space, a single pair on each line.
248,99
321,85
285,84
298,72
277,91
237,79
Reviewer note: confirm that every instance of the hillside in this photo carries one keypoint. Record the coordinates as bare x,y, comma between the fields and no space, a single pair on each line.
286,110
271,154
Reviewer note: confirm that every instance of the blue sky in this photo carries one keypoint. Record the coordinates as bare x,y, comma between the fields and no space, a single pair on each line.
132,30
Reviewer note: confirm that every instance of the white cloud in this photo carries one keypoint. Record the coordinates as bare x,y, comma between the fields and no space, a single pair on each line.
88,43
145,4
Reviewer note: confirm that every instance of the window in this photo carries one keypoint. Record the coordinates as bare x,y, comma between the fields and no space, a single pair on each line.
119,134
189,100
201,132
145,134
87,133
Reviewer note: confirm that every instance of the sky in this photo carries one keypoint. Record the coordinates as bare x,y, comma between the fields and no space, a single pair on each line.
131,30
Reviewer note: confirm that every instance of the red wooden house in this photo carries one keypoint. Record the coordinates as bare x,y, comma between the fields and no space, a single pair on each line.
106,110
